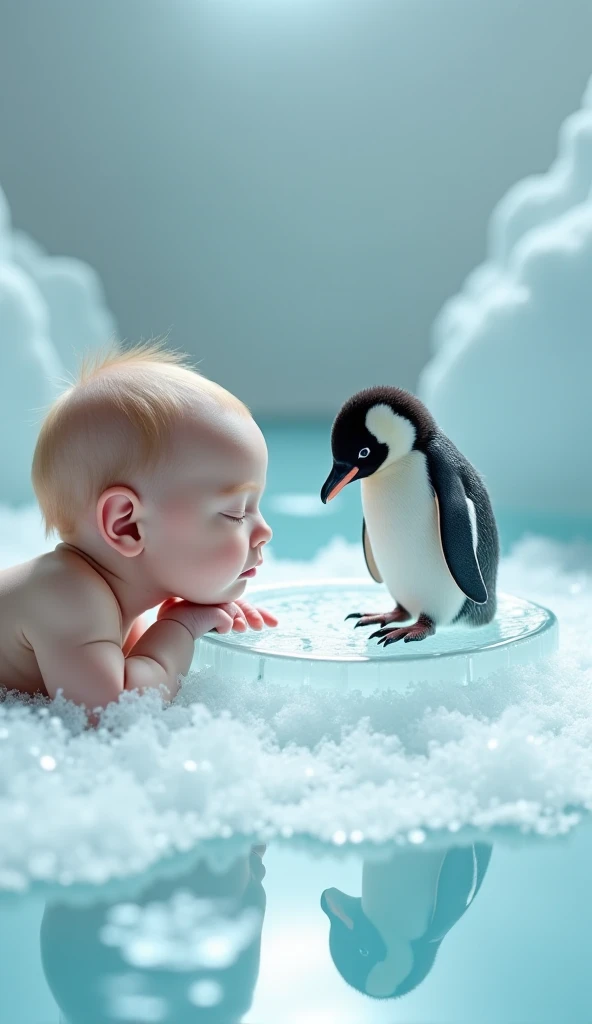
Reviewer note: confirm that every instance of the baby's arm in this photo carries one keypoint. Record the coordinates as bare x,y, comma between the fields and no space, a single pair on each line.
170,642
73,625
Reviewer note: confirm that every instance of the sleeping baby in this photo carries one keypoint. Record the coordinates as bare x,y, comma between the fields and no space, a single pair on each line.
151,475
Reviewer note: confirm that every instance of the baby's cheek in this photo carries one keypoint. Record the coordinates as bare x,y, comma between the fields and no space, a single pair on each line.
227,552
236,547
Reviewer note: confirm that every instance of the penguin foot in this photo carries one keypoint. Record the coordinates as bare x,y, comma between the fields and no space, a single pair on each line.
399,614
418,631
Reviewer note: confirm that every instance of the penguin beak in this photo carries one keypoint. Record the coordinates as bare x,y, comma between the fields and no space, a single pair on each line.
332,906
340,475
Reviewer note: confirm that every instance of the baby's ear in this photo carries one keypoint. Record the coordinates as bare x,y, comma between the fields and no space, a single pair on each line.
118,513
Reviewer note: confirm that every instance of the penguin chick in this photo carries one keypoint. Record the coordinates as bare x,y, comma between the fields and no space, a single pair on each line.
429,532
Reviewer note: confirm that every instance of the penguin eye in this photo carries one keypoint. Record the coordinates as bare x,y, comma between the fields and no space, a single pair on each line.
364,453
363,952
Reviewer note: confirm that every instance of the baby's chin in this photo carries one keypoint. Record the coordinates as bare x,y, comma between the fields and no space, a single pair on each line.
232,592
236,590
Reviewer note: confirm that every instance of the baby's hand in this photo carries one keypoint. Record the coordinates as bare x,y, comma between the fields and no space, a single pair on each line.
202,618
256,618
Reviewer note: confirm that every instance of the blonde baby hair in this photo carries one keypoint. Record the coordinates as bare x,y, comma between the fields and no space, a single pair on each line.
114,418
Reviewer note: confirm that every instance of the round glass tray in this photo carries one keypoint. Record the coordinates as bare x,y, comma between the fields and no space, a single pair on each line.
314,644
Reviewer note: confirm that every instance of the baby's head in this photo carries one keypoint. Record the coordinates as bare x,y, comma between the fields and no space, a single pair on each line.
144,459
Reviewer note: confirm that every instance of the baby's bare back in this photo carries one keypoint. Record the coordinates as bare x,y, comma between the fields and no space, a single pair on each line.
37,595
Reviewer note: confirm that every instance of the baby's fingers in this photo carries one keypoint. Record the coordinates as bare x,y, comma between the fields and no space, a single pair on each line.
251,615
236,615
223,621
268,618
257,617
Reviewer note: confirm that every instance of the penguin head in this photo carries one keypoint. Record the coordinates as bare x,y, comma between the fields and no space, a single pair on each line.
362,956
372,430
356,946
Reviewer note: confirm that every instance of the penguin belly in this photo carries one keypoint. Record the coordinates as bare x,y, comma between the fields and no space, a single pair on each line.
399,895
402,523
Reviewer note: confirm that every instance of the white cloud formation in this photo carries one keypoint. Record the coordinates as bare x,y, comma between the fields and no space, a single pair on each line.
78,315
511,374
51,310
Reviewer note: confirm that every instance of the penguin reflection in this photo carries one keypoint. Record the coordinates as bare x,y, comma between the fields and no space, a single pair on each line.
385,943
82,971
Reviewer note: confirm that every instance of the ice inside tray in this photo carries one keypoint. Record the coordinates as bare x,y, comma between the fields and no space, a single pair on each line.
314,643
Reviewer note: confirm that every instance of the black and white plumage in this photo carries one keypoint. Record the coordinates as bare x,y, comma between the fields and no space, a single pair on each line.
384,944
429,531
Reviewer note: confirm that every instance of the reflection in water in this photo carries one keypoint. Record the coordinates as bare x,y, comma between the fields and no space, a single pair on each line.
187,950
385,943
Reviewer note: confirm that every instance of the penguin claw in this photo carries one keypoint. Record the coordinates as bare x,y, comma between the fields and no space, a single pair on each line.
419,630
398,614
393,637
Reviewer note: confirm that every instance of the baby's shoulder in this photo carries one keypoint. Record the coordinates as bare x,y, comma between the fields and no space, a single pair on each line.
63,583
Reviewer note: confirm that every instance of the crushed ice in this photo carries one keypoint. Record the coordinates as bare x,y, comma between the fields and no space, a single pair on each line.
230,758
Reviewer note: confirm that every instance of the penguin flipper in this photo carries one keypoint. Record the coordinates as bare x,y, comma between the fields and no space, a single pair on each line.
461,876
369,555
455,525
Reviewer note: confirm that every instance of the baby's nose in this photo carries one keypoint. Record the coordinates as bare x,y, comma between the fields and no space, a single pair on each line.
262,533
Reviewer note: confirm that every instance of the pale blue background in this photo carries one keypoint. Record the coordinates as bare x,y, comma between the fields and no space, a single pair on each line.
293,187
